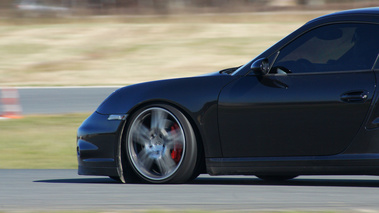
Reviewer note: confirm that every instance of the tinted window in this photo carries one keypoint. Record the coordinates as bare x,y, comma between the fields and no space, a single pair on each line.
337,47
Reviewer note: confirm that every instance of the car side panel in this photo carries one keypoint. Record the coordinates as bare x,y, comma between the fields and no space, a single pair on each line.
292,115
367,140
343,164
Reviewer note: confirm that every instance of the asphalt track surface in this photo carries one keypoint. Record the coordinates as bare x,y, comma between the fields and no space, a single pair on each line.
61,190
61,100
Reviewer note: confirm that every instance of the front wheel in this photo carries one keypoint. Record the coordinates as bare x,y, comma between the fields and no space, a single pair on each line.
160,145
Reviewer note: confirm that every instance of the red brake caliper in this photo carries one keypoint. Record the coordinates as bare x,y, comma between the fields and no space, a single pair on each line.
176,154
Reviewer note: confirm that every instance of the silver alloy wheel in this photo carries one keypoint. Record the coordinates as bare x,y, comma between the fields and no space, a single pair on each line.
156,143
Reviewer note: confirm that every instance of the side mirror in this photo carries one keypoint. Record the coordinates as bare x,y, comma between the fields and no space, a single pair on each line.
260,66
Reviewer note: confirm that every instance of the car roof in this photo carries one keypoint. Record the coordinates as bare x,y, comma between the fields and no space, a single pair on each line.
350,14
365,11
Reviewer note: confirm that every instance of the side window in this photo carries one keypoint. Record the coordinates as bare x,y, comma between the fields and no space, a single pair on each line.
336,47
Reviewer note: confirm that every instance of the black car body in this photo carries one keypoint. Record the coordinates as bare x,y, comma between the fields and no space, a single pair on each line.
306,106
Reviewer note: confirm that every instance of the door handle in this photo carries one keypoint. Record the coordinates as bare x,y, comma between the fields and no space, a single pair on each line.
355,97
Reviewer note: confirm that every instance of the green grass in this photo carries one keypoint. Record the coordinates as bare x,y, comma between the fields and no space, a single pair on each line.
39,142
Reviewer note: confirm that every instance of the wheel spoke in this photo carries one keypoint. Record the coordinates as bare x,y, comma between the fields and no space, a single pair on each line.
158,119
144,159
174,138
165,164
141,135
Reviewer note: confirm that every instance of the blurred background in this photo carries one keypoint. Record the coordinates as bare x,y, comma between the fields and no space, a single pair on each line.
50,49
97,7
119,42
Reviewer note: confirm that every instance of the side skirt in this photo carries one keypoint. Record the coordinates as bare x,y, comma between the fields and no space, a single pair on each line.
349,164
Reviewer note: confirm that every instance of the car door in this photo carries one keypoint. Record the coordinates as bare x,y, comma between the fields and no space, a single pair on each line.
313,101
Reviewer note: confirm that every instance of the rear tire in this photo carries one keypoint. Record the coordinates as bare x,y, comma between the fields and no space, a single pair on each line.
160,146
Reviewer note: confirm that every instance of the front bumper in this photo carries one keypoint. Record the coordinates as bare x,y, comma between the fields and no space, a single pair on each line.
97,143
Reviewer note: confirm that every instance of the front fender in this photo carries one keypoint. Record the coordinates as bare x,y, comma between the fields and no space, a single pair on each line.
196,97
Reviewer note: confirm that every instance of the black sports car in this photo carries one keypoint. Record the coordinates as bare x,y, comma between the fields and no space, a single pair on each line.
306,106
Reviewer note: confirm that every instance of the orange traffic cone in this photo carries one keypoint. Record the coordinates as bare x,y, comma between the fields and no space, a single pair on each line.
11,107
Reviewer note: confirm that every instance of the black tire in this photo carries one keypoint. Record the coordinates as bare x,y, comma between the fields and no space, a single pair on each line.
276,177
160,146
